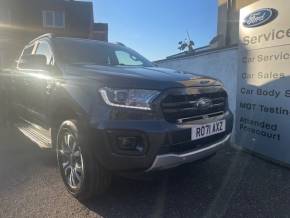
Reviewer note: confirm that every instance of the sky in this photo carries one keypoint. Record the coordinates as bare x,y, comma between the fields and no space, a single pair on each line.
154,27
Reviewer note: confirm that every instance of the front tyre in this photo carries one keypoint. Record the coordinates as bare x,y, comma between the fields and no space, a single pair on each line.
82,175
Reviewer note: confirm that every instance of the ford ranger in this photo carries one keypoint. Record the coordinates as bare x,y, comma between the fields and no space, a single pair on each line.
105,109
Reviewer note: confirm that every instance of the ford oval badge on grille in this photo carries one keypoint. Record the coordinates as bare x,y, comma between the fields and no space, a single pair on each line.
204,103
260,17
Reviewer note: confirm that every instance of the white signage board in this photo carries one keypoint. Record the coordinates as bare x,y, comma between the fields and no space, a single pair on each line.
263,95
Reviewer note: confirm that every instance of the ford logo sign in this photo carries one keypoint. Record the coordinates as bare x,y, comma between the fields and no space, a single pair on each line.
204,104
260,17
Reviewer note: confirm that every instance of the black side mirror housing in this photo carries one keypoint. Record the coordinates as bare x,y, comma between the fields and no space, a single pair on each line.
36,61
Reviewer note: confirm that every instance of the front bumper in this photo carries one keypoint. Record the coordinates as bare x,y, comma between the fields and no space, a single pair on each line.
167,144
167,161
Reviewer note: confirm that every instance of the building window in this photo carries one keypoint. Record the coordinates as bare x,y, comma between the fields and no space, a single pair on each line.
53,19
5,16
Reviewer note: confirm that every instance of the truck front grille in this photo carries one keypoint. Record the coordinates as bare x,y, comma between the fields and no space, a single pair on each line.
183,108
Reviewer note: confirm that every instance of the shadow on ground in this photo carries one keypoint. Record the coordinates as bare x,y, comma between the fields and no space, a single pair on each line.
230,184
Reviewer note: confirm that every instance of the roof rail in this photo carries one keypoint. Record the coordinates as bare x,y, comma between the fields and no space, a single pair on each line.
47,35
121,44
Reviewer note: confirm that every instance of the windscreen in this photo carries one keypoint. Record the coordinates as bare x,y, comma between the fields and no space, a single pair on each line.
70,51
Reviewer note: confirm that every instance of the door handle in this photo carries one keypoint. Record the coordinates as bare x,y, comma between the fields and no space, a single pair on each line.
49,87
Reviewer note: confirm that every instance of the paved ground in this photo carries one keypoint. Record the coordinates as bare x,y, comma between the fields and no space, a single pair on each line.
231,184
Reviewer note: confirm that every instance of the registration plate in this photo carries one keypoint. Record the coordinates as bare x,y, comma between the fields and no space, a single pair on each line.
209,129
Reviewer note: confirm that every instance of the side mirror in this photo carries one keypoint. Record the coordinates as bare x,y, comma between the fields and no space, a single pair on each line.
37,62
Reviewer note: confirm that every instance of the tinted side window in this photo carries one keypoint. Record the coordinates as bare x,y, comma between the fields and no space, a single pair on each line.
27,51
43,48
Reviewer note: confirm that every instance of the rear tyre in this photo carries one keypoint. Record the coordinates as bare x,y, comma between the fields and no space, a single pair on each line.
82,175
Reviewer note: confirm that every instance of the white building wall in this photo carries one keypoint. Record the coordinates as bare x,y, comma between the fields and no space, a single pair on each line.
221,64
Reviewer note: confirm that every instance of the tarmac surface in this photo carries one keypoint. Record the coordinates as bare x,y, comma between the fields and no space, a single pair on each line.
230,184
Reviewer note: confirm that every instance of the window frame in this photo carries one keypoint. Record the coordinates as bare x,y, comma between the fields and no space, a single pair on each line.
18,62
52,60
34,47
44,19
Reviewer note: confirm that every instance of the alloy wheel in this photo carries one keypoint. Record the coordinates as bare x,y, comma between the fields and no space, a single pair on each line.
70,160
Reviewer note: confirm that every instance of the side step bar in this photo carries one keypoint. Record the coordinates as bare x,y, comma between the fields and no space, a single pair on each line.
37,134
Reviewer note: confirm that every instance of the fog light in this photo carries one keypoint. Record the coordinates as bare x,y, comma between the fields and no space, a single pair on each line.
130,143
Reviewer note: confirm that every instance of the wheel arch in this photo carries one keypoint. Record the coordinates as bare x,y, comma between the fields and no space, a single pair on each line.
60,114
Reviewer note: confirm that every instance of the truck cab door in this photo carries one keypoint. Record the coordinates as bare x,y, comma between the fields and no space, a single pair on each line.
18,85
39,85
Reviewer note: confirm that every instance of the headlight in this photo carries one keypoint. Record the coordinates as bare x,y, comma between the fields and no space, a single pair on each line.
129,98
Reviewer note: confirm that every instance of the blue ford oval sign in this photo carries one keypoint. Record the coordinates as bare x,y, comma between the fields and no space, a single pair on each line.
260,17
